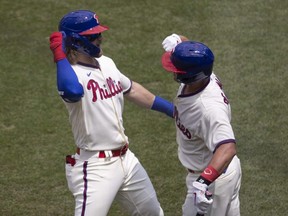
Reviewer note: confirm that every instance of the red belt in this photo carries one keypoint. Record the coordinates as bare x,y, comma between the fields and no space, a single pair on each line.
115,153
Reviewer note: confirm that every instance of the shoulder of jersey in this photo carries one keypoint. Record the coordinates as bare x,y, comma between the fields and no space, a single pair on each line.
104,58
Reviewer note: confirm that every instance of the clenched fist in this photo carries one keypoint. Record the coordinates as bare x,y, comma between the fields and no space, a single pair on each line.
57,45
171,41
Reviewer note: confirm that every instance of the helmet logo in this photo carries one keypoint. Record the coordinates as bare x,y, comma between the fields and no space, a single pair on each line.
96,18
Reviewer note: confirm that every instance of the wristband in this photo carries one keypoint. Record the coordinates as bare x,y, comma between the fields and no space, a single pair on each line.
163,106
208,176
58,54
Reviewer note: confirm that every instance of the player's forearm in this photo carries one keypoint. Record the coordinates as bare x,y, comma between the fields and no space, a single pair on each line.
68,85
223,156
140,96
144,98
219,162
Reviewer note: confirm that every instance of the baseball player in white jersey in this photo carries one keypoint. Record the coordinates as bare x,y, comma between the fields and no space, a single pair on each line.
93,91
206,142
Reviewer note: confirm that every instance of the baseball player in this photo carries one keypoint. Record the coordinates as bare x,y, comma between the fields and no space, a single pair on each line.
206,142
93,91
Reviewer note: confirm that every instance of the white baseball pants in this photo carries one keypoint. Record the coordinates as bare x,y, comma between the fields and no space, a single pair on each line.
96,182
225,192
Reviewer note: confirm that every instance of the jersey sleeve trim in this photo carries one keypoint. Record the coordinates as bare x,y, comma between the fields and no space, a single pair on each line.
224,142
129,89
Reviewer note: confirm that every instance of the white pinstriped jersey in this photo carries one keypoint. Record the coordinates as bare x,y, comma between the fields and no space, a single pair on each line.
202,124
96,119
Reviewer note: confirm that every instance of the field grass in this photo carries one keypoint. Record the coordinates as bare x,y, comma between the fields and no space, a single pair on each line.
249,40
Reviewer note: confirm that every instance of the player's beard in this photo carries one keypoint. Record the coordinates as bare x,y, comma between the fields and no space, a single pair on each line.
97,43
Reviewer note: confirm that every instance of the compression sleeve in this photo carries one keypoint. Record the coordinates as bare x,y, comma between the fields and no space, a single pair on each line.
68,84
163,106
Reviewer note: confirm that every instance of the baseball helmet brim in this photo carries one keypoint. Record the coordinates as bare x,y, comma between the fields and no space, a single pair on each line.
168,65
95,30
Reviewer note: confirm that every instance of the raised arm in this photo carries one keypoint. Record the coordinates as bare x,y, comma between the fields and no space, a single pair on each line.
68,85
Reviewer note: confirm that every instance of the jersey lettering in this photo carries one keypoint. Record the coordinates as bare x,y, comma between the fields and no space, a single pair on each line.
181,127
104,93
218,82
225,99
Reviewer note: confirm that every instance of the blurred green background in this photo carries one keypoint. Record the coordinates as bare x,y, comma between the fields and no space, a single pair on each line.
249,40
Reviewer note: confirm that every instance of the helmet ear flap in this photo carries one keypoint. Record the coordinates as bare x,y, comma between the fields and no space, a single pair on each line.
71,41
195,76
74,41
208,71
82,44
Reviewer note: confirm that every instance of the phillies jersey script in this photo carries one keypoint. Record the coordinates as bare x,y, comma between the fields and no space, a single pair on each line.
97,118
199,133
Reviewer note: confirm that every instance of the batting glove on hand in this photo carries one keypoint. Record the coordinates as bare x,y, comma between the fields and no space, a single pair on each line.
170,42
202,197
57,45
